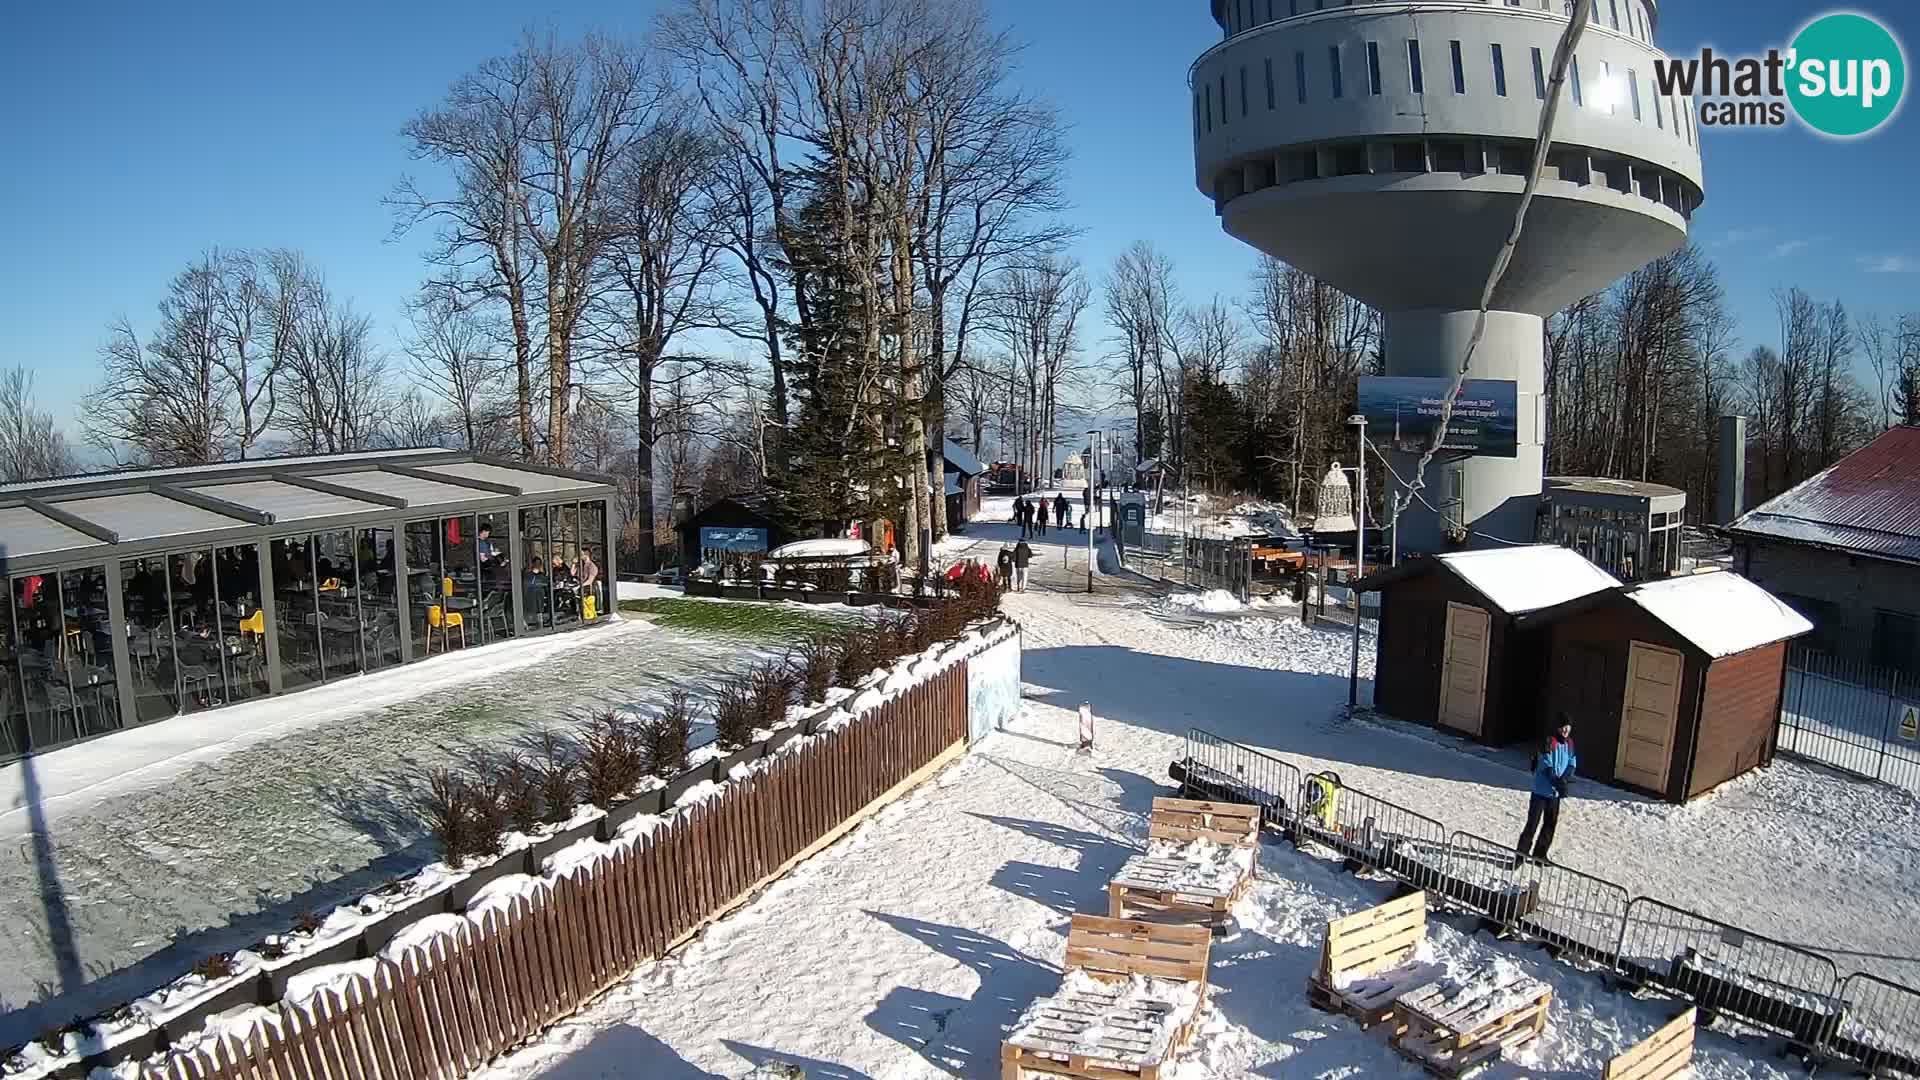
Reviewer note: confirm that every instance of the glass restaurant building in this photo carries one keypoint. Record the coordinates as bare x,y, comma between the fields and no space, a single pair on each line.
138,595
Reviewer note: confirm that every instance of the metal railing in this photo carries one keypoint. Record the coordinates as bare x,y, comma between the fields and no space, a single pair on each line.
1852,715
1867,1020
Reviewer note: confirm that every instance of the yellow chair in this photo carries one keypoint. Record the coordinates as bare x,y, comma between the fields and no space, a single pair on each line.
255,623
444,621
446,586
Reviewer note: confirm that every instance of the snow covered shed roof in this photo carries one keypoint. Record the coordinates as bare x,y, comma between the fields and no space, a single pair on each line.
1867,502
961,460
1720,612
1516,580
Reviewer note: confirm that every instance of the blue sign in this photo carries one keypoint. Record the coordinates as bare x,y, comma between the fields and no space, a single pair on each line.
1402,412
725,539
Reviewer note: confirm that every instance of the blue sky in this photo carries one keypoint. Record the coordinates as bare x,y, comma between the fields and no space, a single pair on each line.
140,134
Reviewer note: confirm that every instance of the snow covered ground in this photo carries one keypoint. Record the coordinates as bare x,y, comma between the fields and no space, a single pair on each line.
909,948
159,846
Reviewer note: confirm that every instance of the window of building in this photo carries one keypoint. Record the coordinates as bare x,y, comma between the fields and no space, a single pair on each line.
1459,71
1607,87
1539,77
1499,72
1633,90
1350,159
1613,13
1573,72
1293,7
1333,66
1300,76
1409,157
1414,74
1196,116
1223,99
1448,156
535,586
1207,91
1659,114
1373,68
1269,63
1243,90
144,598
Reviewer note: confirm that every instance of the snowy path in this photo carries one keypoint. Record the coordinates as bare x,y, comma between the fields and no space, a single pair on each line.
906,949
208,850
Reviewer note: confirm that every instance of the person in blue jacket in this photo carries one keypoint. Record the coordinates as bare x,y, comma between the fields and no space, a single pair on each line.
1552,770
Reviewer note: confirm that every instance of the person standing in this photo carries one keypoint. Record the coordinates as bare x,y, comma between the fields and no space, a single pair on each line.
1553,770
1022,555
1060,509
1006,567
1040,516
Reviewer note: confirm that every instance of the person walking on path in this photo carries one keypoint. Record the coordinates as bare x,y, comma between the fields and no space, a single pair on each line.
1060,509
1022,555
1040,515
1006,567
1552,772
1020,514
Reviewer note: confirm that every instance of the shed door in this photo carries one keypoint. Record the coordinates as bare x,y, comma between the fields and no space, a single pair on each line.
1649,716
1463,673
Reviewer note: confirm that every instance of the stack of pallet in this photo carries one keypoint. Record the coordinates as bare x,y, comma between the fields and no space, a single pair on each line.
1199,862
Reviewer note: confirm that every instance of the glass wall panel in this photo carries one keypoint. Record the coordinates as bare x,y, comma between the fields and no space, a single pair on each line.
336,568
423,579
13,704
590,569
379,598
564,521
459,583
295,611
242,624
40,624
534,580
494,552
200,651
88,650
143,596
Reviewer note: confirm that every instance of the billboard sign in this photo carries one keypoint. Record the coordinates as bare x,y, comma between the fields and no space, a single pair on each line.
725,539
1402,412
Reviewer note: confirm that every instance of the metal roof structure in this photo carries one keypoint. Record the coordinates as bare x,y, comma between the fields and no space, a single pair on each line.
962,459
1606,485
1867,503
77,520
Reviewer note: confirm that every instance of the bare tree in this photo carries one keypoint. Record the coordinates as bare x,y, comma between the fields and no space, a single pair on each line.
333,389
162,402
1141,306
31,446
531,141
451,352
1036,313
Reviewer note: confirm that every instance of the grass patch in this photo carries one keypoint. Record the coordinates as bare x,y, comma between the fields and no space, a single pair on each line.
743,618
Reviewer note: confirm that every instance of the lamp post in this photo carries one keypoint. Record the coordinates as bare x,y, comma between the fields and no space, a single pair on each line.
1092,464
1359,424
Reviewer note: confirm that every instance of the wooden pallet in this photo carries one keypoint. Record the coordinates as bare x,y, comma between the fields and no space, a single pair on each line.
1367,960
1112,950
1183,821
1144,889
1663,1055
1452,1031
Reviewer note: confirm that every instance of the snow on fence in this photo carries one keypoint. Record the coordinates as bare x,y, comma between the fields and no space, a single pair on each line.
1723,969
454,1000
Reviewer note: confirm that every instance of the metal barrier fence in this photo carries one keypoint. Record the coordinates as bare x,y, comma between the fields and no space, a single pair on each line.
1852,715
1724,969
1881,1025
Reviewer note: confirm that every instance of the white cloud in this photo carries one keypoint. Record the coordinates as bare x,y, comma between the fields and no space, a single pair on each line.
1743,234
1889,264
1781,251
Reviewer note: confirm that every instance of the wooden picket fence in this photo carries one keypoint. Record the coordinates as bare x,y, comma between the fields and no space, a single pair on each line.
447,1008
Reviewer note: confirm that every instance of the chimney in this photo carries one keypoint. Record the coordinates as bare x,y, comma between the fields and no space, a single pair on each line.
1731,496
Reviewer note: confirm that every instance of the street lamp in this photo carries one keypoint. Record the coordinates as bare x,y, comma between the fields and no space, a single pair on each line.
1092,464
1358,423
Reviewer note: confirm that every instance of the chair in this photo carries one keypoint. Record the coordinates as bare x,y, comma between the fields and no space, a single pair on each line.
438,618
494,618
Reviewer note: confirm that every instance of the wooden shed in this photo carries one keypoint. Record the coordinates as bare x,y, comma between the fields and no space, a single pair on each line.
1449,652
1673,686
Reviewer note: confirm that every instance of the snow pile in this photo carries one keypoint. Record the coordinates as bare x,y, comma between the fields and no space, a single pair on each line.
1523,579
1720,611
1203,860
1211,602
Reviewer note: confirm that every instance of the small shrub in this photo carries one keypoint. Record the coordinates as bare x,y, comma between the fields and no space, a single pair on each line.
772,686
559,777
449,814
217,966
917,585
307,922
487,810
814,664
271,950
853,659
611,762
734,713
519,792
665,739
889,640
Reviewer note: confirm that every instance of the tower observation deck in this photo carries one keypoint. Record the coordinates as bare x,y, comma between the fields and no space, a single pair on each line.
1383,148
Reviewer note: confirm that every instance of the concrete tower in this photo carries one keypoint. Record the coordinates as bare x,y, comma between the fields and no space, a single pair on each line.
1382,147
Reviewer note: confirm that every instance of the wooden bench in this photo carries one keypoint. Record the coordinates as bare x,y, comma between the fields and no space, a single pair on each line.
1454,1028
1095,1027
1663,1055
1368,959
1163,886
